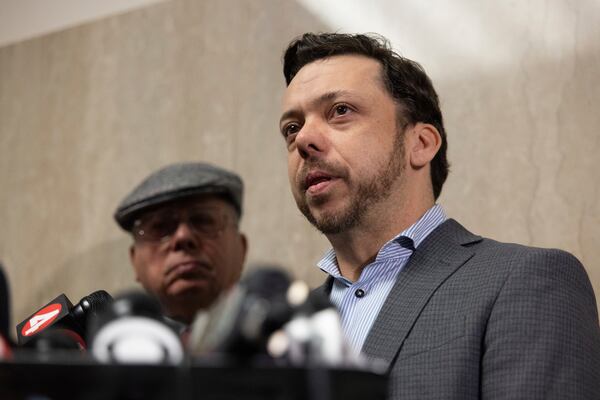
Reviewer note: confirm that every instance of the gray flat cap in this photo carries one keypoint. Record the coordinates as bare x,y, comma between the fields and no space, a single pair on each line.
175,182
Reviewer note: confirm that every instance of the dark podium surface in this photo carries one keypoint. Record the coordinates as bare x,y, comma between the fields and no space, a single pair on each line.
82,378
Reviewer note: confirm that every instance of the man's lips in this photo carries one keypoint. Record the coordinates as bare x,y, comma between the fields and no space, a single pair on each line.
315,180
188,268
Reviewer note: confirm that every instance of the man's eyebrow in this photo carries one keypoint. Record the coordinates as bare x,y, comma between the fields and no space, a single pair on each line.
324,98
289,114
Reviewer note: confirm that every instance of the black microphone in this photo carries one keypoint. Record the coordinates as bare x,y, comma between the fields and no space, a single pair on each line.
5,349
133,330
5,342
241,322
4,303
60,313
315,335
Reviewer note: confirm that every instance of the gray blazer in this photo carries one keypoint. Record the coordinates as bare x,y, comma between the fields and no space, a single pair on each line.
472,318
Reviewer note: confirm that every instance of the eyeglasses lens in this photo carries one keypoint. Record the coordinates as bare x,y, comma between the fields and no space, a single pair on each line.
161,225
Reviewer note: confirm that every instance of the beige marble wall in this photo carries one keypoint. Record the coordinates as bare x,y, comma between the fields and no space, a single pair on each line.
87,112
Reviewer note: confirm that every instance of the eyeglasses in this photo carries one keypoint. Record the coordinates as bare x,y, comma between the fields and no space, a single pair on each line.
160,225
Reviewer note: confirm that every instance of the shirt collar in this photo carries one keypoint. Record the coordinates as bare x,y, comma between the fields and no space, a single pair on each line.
418,231
410,239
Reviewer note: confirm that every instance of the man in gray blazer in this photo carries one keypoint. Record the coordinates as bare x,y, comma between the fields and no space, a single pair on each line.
452,314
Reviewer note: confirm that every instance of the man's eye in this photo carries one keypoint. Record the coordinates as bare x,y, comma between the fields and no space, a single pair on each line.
341,109
290,129
161,225
203,220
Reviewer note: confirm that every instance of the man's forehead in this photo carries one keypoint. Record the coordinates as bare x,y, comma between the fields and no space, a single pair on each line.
334,73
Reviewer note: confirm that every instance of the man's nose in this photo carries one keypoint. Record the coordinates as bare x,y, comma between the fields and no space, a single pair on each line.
311,140
184,237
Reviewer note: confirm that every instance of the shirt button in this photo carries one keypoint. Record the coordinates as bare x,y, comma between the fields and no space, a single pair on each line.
359,293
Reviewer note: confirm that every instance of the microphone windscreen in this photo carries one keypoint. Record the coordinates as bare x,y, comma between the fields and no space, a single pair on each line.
266,282
266,305
240,323
131,330
212,328
92,303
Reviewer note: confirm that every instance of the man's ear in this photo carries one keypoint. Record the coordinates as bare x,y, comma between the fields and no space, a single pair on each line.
424,144
244,244
132,260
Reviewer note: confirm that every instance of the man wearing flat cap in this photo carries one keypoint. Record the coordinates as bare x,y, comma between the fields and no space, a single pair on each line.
187,248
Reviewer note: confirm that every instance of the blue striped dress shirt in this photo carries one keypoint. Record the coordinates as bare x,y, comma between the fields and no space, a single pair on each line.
359,302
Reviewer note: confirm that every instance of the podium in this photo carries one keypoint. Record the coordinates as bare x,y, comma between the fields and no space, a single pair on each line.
82,378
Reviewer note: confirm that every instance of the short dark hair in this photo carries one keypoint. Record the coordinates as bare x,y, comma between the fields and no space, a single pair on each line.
405,80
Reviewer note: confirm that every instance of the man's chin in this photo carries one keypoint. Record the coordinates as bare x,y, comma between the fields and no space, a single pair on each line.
194,291
331,223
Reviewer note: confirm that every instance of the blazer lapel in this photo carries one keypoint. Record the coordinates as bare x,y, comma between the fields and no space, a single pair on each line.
437,258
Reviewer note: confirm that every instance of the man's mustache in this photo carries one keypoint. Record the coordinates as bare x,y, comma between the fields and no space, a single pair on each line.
331,169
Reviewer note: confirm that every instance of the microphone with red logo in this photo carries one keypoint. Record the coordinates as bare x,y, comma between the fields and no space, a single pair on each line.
60,318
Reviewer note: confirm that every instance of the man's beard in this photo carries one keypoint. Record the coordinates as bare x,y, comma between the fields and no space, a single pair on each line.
368,193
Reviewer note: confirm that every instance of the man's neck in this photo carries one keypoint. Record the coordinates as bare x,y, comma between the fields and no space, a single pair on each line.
357,247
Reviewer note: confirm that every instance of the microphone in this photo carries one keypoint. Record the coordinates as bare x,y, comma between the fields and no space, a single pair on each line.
5,343
132,330
4,303
269,314
241,322
61,314
315,336
5,350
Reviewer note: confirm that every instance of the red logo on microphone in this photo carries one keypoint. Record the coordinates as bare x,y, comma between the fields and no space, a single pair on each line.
41,319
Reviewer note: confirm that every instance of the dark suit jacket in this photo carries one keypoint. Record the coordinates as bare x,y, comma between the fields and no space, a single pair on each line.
472,318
